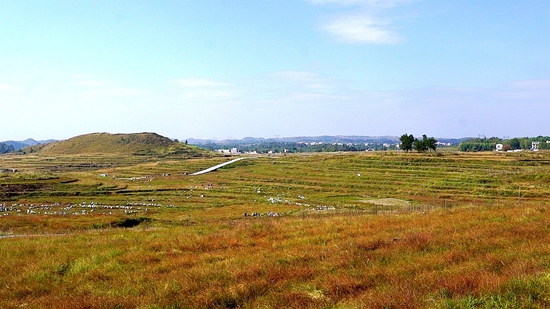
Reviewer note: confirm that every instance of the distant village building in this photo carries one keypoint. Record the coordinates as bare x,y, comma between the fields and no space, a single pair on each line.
500,147
535,146
228,151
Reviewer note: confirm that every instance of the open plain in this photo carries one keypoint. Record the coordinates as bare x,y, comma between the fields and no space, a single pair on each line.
336,230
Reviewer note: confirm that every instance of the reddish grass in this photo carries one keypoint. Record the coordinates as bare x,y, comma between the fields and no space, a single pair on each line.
388,261
206,255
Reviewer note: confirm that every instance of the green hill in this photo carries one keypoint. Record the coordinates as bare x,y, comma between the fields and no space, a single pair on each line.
136,144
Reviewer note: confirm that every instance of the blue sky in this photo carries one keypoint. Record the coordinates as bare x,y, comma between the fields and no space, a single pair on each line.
234,68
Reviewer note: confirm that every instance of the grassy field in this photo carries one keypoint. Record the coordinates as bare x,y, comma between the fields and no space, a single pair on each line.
339,230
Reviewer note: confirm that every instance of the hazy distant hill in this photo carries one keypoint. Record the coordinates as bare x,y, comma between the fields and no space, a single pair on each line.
4,148
311,139
297,139
140,144
28,142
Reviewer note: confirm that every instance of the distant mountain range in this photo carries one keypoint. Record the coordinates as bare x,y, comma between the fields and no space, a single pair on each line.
97,142
26,143
311,139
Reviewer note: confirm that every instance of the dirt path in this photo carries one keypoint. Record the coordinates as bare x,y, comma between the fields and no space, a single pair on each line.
213,168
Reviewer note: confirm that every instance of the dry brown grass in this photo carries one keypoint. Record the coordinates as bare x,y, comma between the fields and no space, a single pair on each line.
488,251
385,261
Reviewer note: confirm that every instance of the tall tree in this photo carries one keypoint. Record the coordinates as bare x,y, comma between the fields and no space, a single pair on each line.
407,142
425,144
431,143
420,145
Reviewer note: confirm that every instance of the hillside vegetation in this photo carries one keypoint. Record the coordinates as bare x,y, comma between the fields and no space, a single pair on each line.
138,144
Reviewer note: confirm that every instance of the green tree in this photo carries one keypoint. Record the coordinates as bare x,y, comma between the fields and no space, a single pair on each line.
480,144
425,144
431,143
420,145
525,143
407,142
544,145
514,143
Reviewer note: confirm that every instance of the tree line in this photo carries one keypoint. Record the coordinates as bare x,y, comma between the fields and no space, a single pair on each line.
293,147
409,142
489,144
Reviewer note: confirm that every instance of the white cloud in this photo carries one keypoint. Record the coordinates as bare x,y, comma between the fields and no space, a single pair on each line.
367,24
361,29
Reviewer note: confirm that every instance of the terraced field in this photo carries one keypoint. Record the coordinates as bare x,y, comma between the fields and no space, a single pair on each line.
339,230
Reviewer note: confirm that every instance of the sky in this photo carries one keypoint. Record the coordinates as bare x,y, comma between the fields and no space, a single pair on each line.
217,69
